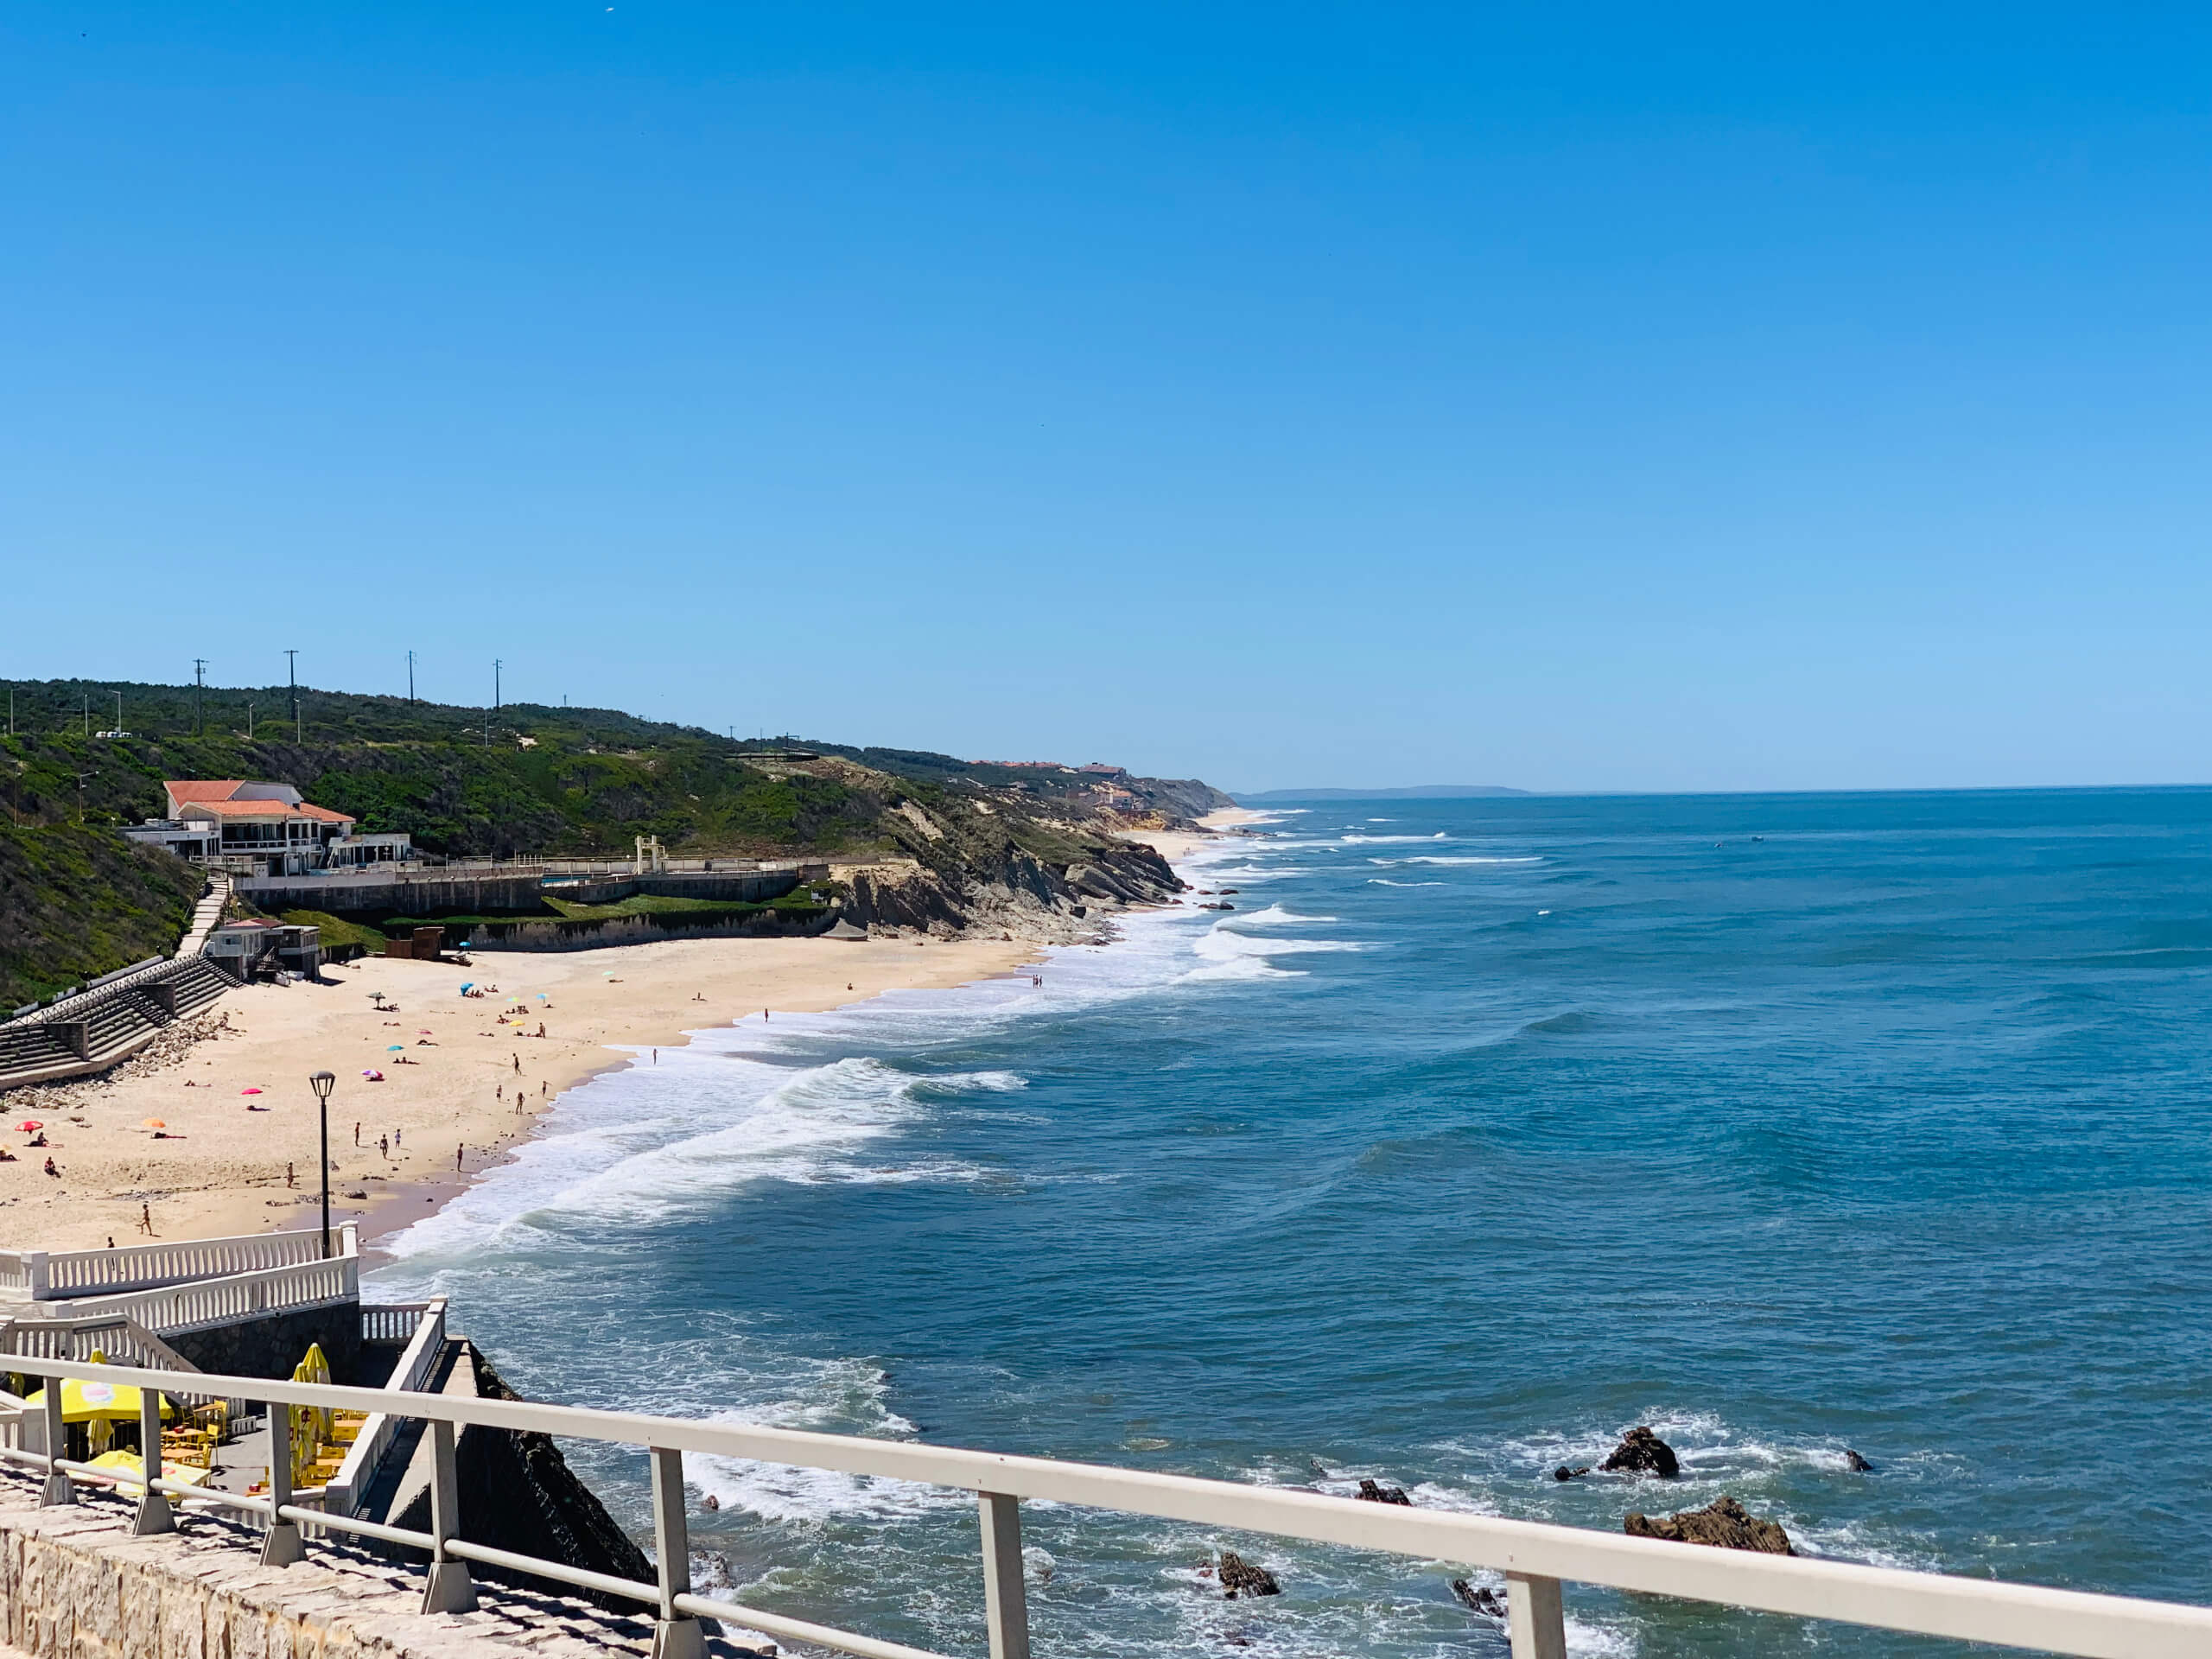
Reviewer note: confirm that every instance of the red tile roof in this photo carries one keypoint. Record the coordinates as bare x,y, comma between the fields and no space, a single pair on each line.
181,791
266,810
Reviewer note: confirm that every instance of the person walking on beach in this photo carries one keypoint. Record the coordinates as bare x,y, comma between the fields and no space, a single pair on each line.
517,1060
145,1220
383,1147
457,1153
357,1134
289,1179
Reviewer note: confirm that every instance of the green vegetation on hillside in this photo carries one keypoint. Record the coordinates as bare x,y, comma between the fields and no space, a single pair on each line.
76,900
77,903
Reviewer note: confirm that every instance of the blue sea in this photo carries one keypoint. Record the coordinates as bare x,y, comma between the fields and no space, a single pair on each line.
1477,1132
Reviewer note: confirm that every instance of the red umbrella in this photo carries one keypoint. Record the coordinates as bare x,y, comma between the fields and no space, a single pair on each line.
249,1091
29,1125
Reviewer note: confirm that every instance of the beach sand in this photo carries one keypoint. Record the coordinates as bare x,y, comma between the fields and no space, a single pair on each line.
450,1085
222,1169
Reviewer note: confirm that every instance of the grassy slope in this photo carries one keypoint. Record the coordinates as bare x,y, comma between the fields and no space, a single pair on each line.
75,902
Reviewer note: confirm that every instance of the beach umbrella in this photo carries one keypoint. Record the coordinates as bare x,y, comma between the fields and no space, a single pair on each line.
30,1126
83,1403
393,1048
152,1123
249,1091
468,984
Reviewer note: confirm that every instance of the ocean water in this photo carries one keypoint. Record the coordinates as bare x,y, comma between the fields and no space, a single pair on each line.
1475,1134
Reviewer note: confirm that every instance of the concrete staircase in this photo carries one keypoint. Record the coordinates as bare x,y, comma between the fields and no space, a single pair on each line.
114,1017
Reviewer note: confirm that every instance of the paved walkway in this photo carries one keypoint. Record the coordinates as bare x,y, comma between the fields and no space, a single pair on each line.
73,1583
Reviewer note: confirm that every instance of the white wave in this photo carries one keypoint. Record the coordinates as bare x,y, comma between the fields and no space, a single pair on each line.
1272,916
1377,841
1392,863
1385,881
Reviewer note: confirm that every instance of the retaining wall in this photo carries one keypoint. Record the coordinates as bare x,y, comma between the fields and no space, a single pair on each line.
75,1584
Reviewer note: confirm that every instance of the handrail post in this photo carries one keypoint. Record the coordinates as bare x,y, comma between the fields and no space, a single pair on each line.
449,1589
39,1274
1006,1601
675,1636
1536,1619
283,1546
57,1489
154,1513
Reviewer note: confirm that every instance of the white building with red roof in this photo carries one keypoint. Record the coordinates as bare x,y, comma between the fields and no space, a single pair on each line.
267,825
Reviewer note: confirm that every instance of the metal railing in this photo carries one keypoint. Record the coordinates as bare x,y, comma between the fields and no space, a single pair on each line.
1536,1558
342,1494
51,1275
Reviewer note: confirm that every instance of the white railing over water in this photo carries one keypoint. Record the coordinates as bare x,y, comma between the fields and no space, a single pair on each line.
55,1276
342,1496
1536,1559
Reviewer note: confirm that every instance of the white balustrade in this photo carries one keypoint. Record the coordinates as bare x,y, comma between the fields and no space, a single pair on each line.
75,1273
1534,1558
411,1375
220,1301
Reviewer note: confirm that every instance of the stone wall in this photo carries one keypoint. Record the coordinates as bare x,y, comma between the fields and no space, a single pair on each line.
75,1584
272,1346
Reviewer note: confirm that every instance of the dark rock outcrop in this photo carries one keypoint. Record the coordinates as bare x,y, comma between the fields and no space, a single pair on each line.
1240,1578
1374,1492
1641,1452
1479,1600
1723,1523
1565,1473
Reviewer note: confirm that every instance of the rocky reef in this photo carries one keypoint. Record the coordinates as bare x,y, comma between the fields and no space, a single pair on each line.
1723,1523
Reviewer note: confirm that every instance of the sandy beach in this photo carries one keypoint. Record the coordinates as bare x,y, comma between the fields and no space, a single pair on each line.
462,1075
218,1135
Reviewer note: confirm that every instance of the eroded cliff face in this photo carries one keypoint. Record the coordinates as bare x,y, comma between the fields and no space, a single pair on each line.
969,865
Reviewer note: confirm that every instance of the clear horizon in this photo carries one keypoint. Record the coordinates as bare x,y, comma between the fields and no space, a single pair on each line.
1590,403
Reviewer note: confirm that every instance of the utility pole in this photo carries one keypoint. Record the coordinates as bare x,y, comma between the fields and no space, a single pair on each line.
496,666
119,712
88,716
198,691
411,676
294,656
249,723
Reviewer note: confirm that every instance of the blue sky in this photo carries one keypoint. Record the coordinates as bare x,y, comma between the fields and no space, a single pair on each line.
1578,398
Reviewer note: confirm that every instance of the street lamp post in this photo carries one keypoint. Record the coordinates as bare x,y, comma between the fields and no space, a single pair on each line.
322,1083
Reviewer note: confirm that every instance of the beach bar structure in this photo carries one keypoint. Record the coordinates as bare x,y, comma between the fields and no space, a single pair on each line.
262,829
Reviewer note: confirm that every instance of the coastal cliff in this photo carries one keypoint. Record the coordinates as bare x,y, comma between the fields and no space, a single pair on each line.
1032,849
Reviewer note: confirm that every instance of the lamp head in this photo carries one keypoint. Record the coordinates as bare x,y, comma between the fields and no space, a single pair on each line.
322,1083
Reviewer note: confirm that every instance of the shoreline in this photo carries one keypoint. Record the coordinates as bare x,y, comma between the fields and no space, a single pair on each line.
453,1068
219,1168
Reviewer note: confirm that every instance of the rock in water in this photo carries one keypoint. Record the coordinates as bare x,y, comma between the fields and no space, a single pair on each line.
1642,1452
1371,1492
1565,1473
1485,1601
1857,1464
1723,1523
1240,1578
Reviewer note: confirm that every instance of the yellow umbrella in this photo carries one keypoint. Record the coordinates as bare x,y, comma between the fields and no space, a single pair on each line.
85,1402
129,1463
